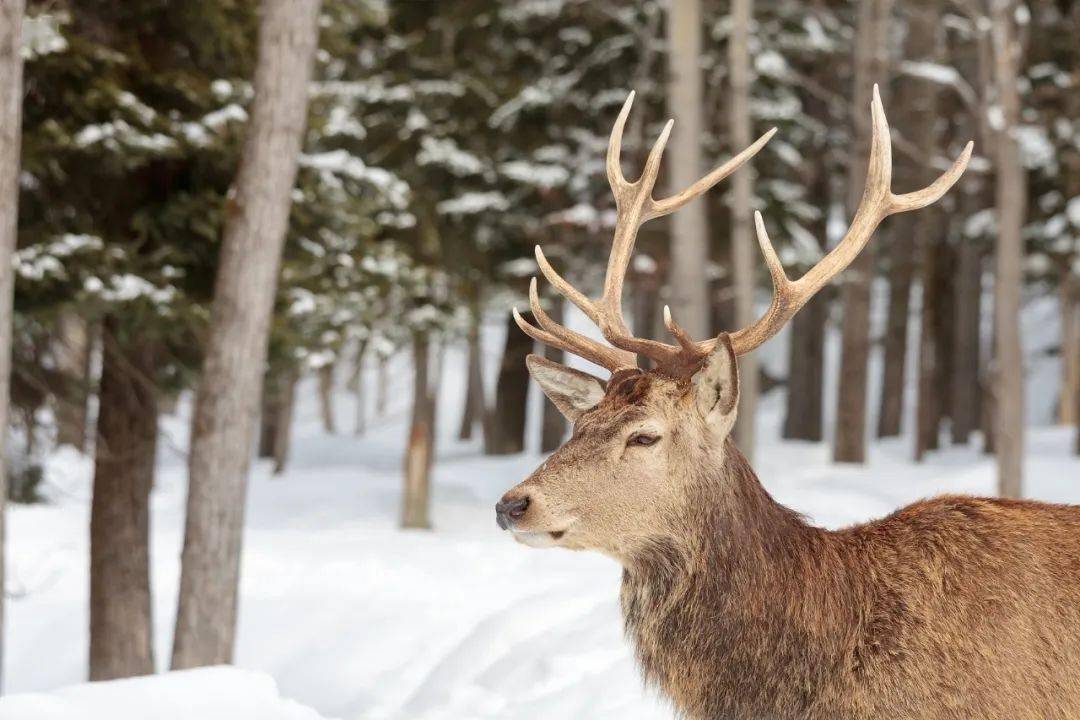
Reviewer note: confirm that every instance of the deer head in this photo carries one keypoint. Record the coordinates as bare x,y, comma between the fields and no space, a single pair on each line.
643,441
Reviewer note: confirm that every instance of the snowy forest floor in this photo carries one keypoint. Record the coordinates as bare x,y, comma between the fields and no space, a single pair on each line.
358,619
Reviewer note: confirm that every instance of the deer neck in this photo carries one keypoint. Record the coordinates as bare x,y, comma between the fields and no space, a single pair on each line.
745,614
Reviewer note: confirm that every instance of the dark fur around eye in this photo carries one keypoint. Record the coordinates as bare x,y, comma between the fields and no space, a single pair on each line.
642,439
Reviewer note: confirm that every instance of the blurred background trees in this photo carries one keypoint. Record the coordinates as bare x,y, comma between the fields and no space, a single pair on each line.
443,141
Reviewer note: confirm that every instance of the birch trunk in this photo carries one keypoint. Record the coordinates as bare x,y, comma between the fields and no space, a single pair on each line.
11,18
744,251
227,401
871,56
1012,210
121,628
689,299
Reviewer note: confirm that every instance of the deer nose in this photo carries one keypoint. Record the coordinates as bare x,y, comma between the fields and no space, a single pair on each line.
508,510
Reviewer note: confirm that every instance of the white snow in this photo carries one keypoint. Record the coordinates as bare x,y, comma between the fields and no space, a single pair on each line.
444,152
362,621
471,203
216,693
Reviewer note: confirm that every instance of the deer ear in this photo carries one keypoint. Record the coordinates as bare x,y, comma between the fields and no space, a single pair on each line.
573,392
716,386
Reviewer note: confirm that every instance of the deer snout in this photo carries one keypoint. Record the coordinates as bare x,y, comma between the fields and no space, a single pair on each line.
509,509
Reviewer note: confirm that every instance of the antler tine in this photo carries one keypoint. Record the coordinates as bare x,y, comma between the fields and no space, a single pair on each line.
677,332
569,341
614,153
877,203
566,289
659,208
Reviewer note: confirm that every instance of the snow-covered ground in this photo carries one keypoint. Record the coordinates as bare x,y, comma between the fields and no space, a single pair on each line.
217,693
358,619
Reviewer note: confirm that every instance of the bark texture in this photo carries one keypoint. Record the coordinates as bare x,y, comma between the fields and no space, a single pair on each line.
689,299
1011,196
72,354
419,451
744,250
11,18
871,56
966,346
227,402
511,392
121,628
916,101
326,398
277,414
475,410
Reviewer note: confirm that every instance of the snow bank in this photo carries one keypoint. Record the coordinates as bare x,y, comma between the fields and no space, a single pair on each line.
217,693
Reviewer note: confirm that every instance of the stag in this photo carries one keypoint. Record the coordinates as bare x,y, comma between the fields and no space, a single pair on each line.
955,607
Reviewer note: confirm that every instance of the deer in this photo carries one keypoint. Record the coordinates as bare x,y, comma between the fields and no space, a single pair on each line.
737,607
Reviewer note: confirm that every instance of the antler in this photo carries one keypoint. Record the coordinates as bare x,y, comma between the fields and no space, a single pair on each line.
634,206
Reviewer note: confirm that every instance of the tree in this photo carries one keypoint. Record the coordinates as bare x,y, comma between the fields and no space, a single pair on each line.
11,19
511,392
229,390
420,449
689,298
871,56
121,627
1011,212
744,253
916,100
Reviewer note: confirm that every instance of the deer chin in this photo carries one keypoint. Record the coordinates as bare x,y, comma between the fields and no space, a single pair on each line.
534,539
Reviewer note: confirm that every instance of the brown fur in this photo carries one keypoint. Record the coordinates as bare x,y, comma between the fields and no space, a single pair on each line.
952,608
948,609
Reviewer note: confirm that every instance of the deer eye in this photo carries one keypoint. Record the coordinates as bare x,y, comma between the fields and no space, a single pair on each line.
642,439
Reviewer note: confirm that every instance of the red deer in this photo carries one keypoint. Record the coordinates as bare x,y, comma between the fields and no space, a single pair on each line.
956,607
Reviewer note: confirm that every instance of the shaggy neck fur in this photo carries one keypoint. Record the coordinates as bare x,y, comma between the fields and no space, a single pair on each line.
750,612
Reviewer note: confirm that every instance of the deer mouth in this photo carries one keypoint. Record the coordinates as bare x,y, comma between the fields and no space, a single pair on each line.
539,539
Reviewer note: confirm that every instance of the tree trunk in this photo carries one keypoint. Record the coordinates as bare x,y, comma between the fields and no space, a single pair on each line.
511,392
689,241
326,398
554,425
871,56
356,384
806,365
901,274
931,374
475,405
121,631
1069,290
804,415
420,449
230,387
744,251
72,353
279,392
11,17
1011,210
965,377
916,100
382,382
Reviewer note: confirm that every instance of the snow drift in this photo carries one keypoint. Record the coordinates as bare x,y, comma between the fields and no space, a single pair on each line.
217,693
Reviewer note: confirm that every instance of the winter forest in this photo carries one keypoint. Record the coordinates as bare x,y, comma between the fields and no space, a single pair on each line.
261,385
